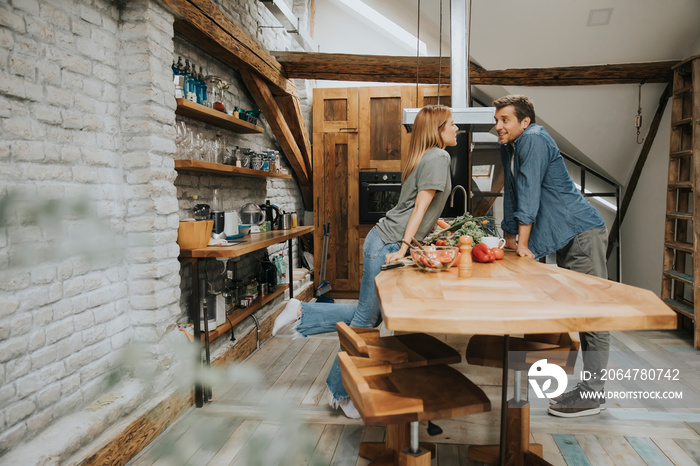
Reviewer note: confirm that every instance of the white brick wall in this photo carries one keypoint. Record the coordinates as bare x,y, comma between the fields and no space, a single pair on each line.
87,114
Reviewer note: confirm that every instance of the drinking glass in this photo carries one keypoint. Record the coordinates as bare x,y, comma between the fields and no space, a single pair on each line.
199,142
180,132
218,149
189,145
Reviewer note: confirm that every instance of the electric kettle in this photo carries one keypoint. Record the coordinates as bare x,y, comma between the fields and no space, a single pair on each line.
272,214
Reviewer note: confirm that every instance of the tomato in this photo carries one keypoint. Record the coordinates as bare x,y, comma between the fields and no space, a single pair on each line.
498,253
445,258
441,242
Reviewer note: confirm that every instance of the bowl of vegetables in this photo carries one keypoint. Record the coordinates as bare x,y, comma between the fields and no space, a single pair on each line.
434,258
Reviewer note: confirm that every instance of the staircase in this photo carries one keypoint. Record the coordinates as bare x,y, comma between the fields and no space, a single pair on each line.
680,287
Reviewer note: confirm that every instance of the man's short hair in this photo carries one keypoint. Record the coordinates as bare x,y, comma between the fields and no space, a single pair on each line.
522,104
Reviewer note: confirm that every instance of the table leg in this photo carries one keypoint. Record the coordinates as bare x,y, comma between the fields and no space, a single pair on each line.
514,447
290,272
504,401
194,308
205,313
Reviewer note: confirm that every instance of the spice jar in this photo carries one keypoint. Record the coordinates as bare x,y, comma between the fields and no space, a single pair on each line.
294,220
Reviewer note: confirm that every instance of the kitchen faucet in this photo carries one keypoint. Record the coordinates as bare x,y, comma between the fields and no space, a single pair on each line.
452,196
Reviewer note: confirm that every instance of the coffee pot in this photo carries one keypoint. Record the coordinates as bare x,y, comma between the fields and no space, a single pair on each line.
272,214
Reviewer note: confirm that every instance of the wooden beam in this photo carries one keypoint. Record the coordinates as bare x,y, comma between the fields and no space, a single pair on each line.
637,172
378,68
291,111
203,24
273,114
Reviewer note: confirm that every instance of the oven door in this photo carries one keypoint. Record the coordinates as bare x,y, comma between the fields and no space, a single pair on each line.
377,197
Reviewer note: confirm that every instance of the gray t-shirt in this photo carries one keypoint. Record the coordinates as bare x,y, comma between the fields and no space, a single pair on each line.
432,172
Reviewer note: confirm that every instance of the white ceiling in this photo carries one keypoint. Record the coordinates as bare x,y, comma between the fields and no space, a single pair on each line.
593,123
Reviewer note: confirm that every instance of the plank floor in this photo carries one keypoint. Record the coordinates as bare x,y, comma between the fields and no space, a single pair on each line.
272,410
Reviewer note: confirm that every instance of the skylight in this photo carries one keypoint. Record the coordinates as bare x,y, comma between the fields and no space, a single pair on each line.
385,24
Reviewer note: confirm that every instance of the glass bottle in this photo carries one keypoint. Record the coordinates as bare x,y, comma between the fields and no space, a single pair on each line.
189,83
217,202
192,84
202,94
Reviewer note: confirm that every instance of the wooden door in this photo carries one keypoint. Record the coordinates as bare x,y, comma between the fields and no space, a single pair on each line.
383,139
335,149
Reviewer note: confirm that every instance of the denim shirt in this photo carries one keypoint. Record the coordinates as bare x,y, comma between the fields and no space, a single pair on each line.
539,191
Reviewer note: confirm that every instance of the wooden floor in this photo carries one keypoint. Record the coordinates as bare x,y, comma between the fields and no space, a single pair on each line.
273,410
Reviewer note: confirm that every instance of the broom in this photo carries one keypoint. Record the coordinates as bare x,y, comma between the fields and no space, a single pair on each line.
325,286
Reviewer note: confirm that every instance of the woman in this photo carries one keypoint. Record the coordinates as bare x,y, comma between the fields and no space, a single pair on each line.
424,190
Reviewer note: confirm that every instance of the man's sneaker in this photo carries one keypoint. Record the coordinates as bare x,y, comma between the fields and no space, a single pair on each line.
575,407
565,395
576,392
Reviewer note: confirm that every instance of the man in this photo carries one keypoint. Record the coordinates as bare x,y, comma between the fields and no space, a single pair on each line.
543,208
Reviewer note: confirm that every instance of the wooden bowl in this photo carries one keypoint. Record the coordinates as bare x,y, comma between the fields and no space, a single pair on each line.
194,235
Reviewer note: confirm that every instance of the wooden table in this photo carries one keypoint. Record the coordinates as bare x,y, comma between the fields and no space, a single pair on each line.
515,295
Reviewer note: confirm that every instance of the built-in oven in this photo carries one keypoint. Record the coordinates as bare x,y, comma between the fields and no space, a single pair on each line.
379,193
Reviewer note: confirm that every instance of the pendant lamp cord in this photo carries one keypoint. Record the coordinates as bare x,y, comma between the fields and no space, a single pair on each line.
469,47
440,55
417,49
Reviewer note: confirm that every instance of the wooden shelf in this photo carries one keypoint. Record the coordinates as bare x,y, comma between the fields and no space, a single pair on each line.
240,314
253,242
210,168
214,117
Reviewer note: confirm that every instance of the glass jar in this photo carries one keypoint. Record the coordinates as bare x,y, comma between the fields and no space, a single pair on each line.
214,92
235,157
256,161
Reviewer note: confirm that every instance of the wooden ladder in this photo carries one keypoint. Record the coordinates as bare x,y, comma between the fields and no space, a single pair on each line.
680,287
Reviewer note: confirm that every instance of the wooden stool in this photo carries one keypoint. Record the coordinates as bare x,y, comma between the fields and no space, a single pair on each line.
401,398
487,350
401,351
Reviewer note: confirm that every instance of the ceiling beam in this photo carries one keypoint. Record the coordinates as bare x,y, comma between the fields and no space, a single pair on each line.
380,68
206,26
291,111
275,118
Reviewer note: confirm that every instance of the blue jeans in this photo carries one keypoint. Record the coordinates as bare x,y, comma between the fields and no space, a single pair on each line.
322,317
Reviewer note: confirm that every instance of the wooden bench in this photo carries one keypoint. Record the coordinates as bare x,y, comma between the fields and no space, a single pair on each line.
397,398
401,351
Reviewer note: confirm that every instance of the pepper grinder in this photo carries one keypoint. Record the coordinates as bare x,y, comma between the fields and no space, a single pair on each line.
464,270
